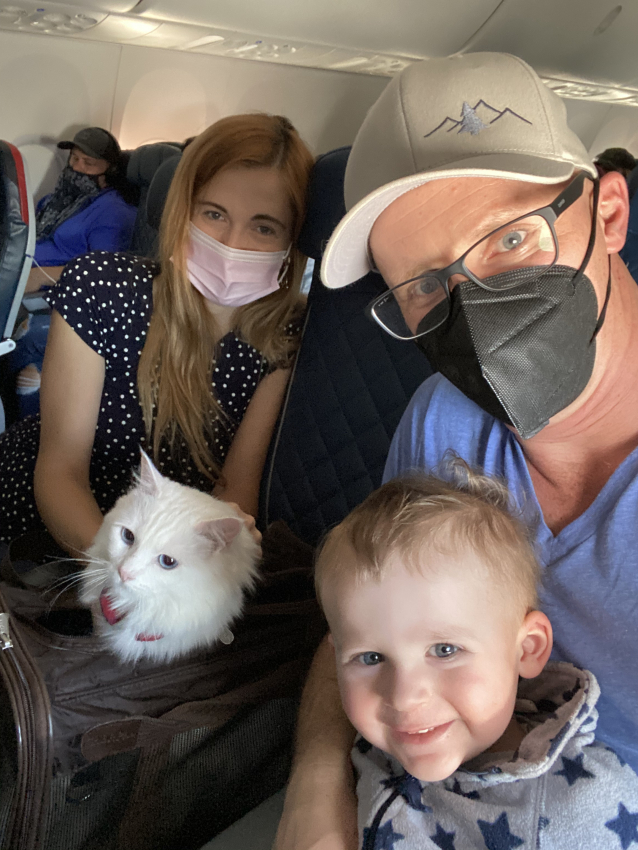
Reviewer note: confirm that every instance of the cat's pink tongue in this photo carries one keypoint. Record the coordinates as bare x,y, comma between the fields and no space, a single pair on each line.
110,614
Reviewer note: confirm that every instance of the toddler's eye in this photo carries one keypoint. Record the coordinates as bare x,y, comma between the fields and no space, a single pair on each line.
444,650
370,659
166,562
127,536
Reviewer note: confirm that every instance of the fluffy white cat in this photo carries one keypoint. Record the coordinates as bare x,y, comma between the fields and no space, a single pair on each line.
167,570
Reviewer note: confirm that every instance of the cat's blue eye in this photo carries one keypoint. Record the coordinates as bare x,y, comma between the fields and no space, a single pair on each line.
370,659
166,562
127,536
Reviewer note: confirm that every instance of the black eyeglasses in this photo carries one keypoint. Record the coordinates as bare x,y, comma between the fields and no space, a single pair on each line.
528,246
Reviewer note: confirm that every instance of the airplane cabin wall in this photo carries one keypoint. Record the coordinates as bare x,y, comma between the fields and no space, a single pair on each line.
53,86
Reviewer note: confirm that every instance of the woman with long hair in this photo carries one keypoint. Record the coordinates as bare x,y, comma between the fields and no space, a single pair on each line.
189,359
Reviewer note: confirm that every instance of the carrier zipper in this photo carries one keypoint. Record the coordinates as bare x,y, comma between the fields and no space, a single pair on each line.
5,637
30,702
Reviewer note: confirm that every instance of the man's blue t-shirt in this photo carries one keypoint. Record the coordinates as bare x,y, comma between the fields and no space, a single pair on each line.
104,224
590,569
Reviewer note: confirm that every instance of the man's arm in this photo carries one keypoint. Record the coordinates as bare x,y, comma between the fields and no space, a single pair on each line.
320,811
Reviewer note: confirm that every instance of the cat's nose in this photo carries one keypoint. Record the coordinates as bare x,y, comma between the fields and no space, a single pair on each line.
124,574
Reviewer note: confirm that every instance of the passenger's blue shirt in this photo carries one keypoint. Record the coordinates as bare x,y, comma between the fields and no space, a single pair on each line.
104,224
590,569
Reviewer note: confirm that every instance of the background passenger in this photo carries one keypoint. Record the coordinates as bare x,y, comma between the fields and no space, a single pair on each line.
189,359
90,209
615,159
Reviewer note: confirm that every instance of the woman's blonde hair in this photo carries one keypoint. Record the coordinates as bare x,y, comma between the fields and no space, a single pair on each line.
175,371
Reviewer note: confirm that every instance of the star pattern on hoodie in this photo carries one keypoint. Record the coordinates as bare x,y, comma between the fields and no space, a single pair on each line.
456,789
385,837
573,770
410,789
443,839
625,826
497,835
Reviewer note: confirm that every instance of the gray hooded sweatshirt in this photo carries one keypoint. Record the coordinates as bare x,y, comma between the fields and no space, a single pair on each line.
561,790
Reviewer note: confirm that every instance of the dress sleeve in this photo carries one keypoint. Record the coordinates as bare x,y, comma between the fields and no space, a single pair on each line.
93,295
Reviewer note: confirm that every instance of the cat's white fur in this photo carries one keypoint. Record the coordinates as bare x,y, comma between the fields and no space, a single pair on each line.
192,604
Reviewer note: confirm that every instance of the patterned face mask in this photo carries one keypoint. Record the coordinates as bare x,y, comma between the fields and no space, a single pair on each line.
69,196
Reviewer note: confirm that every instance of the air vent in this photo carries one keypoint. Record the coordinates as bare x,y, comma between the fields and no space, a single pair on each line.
51,18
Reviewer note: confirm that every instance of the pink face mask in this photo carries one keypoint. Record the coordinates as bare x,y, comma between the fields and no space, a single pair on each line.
230,276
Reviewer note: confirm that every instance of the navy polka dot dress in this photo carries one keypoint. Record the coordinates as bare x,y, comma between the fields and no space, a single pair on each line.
107,299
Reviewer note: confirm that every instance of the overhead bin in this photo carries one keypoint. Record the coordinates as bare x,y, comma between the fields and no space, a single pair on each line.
404,27
581,40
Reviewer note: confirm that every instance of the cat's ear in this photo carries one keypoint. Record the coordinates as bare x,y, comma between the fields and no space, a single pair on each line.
149,479
220,532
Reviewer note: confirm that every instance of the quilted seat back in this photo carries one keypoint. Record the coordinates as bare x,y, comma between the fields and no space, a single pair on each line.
351,384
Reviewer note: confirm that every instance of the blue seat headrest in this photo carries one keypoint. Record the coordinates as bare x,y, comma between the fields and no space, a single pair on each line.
144,161
326,206
158,190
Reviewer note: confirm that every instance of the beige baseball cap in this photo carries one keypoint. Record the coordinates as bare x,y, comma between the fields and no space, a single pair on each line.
480,114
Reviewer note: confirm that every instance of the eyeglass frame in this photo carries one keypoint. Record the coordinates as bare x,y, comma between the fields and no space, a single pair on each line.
550,213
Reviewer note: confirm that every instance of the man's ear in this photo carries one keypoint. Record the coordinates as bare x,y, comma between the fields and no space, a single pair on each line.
535,645
613,210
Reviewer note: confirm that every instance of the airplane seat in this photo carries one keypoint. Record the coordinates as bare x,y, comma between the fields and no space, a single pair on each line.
350,386
17,242
144,164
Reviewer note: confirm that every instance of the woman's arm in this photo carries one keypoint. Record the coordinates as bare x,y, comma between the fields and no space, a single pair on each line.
320,812
42,277
245,460
72,383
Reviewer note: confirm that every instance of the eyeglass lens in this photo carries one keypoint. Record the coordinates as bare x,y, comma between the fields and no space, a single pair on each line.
419,306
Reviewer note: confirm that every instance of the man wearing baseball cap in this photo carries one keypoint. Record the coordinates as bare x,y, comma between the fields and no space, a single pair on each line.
499,245
90,209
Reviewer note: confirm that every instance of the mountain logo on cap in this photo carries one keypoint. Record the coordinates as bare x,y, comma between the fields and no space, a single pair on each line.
472,122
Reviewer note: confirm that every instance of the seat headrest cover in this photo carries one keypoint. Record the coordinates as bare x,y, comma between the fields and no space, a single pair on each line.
326,206
158,190
145,160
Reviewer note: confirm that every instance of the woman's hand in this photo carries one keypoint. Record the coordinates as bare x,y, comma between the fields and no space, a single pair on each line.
249,522
320,811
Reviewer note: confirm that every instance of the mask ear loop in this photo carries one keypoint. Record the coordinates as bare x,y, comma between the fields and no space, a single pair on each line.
592,239
285,265
603,312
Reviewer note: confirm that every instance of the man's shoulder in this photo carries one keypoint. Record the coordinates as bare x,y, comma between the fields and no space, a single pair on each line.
440,418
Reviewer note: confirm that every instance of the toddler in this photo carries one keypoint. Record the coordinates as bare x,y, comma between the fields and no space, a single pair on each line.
468,738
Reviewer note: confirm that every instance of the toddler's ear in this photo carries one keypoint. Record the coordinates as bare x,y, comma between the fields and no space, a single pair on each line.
536,644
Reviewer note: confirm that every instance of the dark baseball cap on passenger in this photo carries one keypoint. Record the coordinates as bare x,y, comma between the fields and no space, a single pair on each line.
95,142
476,114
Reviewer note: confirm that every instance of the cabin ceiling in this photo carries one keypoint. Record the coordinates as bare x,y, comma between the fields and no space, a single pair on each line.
582,48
